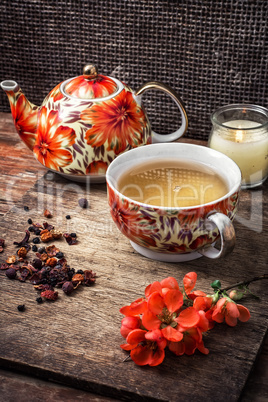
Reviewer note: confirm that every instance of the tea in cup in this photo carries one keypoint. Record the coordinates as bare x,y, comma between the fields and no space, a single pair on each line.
173,200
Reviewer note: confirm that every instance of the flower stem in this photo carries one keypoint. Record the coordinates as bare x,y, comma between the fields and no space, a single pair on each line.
245,283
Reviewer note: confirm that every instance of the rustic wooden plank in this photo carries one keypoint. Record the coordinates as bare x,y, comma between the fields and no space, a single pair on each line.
23,388
19,170
76,340
28,170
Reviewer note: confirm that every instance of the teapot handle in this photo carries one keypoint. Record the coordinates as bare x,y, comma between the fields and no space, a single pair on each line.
184,124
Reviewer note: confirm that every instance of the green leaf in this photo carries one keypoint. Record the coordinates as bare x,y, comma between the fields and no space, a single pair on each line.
216,284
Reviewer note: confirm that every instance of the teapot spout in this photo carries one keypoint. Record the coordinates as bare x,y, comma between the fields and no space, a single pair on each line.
24,113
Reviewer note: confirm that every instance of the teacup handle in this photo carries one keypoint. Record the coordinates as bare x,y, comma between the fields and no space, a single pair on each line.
184,124
227,233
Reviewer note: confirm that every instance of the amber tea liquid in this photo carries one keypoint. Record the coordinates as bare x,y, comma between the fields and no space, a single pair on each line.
172,183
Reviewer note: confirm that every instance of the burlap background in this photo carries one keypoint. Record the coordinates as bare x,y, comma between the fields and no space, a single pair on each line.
211,52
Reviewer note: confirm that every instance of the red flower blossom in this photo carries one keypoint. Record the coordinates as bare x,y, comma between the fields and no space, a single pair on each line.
135,308
192,340
97,167
161,319
119,121
230,311
52,139
128,324
146,347
189,282
161,309
25,119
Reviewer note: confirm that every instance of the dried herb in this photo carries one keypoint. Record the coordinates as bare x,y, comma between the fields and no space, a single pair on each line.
24,240
70,240
47,214
50,295
49,269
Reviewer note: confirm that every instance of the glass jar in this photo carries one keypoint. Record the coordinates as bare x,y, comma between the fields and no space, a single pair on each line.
240,131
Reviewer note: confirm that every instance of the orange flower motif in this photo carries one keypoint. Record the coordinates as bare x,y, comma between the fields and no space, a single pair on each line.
146,347
230,311
128,219
97,167
56,93
52,139
25,119
119,121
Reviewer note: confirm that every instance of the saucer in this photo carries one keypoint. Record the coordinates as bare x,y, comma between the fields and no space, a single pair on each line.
164,257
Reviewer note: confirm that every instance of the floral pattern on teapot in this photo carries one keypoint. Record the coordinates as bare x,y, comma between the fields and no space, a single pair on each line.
78,136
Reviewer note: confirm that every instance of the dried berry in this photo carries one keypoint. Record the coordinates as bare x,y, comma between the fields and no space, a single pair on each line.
80,271
46,236
36,240
89,277
68,217
39,300
50,295
30,221
37,263
31,229
22,252
51,261
11,259
26,208
73,234
11,273
77,279
34,248
68,287
70,240
48,226
83,202
59,255
37,232
41,250
56,234
52,250
47,213
21,307
44,257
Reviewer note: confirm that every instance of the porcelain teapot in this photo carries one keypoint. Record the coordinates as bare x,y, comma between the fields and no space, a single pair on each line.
85,122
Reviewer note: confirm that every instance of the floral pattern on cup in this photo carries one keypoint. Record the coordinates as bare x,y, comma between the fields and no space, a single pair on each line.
166,230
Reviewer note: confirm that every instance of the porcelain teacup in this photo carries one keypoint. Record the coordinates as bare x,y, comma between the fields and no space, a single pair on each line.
177,233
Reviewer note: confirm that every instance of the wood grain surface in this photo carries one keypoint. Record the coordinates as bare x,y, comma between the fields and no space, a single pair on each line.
76,340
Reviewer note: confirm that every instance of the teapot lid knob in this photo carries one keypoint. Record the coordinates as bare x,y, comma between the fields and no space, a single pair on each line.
90,72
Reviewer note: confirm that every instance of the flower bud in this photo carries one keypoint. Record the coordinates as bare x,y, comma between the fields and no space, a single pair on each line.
236,295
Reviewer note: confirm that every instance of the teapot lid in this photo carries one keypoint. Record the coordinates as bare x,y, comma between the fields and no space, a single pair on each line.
90,85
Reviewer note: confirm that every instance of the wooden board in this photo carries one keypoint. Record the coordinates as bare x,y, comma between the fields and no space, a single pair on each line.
76,339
